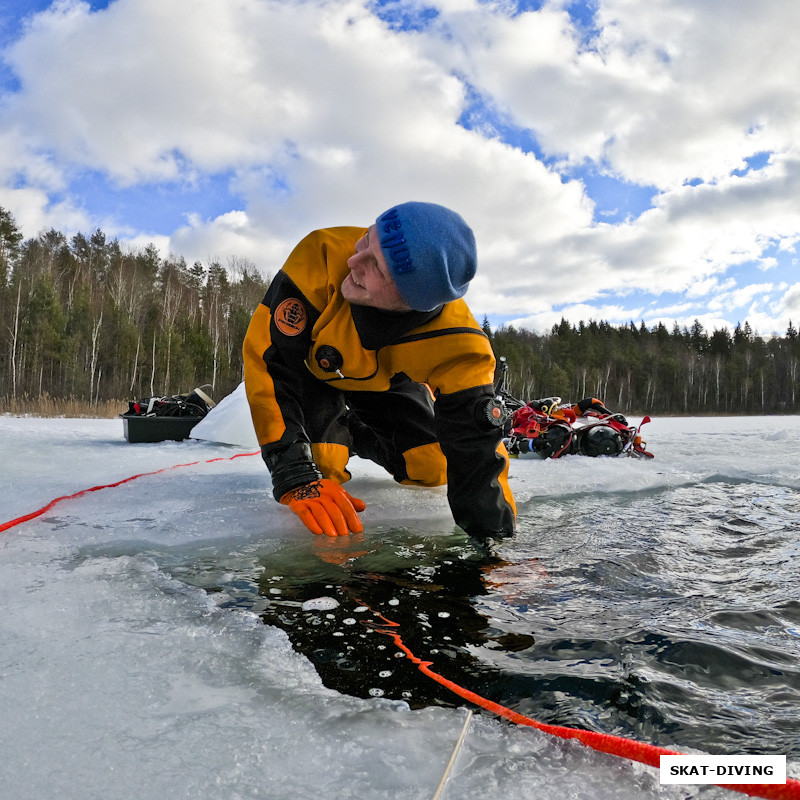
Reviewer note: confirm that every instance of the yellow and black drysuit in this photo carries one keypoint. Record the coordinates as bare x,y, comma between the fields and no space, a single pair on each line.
325,379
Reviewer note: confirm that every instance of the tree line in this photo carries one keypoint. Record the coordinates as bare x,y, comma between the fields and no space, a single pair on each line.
639,370
86,318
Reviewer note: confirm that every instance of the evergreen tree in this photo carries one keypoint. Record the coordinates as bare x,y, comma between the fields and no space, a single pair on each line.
90,319
10,240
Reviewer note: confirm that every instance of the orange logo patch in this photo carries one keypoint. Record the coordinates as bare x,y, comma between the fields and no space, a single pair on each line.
290,317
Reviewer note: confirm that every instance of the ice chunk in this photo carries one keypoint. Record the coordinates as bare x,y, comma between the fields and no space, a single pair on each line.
229,422
320,604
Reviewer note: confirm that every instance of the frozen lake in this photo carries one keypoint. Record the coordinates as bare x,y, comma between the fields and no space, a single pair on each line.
660,600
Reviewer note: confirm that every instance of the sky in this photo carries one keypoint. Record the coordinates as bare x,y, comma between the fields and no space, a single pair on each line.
617,160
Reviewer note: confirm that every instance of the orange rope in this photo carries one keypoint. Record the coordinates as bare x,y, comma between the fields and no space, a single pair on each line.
602,742
19,520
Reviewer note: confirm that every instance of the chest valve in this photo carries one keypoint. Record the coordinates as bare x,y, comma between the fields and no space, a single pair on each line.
329,359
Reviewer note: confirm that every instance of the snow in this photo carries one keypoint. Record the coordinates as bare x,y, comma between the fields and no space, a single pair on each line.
119,680
229,422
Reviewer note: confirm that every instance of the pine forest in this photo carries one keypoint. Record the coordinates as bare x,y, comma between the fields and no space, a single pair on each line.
88,320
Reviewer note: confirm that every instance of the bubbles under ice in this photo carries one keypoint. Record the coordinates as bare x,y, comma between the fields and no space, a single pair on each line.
320,604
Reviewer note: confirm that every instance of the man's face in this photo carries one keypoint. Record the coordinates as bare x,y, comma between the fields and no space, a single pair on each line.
369,282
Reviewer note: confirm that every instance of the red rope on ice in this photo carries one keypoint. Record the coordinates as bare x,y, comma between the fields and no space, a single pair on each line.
602,742
4,526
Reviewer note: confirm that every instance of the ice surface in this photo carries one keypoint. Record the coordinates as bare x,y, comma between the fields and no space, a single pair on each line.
118,680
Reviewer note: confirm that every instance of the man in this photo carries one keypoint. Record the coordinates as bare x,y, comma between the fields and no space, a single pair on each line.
363,345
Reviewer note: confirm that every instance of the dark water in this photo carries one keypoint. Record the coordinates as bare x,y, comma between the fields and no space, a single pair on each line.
672,617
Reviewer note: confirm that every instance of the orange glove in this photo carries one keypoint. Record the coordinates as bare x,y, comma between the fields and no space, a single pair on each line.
324,507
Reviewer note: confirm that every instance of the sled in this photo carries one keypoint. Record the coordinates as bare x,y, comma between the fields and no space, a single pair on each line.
161,419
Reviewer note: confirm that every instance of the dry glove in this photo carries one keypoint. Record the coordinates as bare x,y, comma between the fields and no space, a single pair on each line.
324,507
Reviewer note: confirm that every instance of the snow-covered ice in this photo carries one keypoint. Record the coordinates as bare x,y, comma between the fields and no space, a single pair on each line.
118,680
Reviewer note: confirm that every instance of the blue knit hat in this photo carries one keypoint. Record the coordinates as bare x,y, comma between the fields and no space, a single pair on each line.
430,251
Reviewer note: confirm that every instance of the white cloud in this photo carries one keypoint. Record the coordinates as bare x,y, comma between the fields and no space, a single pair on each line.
575,314
324,115
34,212
790,303
656,94
709,287
739,298
697,233
229,234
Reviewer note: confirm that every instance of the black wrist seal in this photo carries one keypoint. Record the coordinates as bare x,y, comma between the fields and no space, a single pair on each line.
290,466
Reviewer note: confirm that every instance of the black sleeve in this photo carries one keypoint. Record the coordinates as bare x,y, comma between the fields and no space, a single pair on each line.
474,467
289,459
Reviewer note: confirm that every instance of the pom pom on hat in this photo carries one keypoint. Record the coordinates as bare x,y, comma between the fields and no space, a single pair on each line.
430,252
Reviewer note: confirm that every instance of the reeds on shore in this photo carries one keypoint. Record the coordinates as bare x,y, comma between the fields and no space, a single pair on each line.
71,407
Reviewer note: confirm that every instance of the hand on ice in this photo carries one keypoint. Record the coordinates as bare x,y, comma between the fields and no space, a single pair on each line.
324,507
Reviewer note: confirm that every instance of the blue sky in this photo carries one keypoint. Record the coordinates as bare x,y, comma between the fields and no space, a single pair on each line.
609,156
